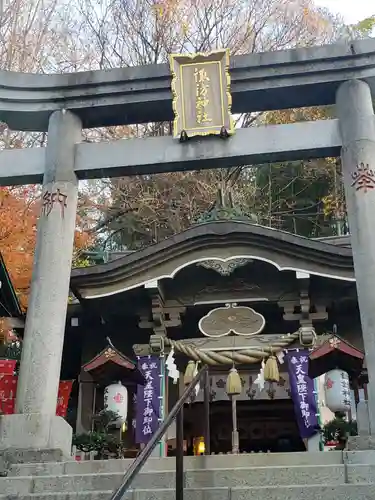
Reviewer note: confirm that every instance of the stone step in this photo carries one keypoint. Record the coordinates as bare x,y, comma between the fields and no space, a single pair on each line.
359,457
293,492
190,463
9,457
229,478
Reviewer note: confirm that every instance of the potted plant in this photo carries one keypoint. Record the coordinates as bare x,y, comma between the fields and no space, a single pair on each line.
338,430
99,439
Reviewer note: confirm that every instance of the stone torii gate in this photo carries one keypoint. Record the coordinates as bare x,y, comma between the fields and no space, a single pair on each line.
64,104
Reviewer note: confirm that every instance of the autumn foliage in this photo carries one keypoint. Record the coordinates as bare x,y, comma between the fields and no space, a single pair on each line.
19,211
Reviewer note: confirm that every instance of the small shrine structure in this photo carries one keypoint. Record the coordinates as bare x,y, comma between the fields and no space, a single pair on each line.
338,358
108,367
334,353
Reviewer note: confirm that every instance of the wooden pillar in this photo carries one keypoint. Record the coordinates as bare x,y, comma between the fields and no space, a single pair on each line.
85,403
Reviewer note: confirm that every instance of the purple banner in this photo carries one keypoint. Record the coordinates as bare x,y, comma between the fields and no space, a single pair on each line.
302,391
148,399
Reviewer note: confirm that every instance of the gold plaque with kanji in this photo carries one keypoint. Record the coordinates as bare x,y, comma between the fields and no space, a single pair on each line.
201,94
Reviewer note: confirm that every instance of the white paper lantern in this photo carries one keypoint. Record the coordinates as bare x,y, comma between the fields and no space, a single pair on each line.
116,400
337,390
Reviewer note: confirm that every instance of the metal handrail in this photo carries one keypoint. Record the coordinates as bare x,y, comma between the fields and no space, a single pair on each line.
138,463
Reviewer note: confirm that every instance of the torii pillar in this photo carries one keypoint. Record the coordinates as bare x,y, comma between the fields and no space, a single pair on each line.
357,127
35,425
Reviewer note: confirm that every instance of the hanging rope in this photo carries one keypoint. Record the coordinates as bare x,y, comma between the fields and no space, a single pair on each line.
243,356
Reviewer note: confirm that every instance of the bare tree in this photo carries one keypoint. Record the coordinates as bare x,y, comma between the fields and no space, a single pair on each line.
141,210
33,39
135,32
62,35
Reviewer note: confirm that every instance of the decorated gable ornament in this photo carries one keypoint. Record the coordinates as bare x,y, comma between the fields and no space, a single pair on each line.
223,267
334,353
109,355
240,320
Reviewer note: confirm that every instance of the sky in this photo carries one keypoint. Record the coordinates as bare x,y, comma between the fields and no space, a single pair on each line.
351,10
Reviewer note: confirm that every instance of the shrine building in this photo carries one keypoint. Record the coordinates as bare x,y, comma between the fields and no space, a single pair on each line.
226,293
